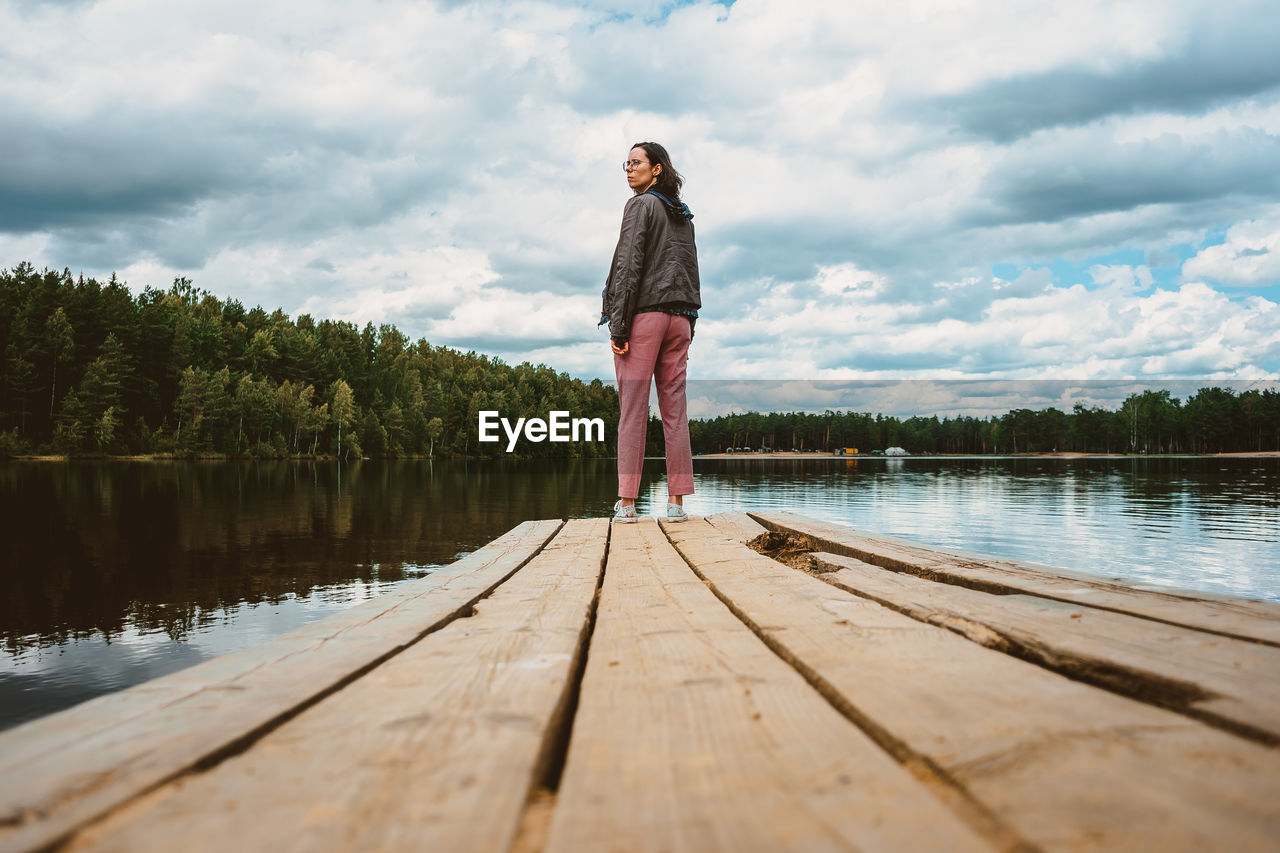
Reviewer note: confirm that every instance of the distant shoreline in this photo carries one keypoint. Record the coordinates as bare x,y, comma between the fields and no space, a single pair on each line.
781,454
787,454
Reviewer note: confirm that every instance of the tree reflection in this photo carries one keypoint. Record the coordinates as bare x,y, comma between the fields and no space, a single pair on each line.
97,547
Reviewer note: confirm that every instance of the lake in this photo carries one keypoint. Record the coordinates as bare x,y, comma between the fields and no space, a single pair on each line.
119,572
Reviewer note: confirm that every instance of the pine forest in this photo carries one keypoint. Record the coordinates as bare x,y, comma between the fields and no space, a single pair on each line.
90,369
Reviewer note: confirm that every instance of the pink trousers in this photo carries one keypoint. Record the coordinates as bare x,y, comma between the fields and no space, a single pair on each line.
659,352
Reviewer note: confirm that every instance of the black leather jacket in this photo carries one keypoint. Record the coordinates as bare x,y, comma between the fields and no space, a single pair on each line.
656,263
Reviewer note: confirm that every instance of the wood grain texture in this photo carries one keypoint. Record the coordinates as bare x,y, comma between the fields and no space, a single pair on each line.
737,526
691,735
61,771
436,749
1233,683
1065,765
1230,616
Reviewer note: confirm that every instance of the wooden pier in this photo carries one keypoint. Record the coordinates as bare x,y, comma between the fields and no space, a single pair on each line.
577,686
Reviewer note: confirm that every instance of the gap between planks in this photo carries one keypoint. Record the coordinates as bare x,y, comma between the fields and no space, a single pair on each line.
535,820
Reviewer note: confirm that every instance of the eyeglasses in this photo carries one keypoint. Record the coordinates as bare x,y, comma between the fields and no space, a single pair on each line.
628,165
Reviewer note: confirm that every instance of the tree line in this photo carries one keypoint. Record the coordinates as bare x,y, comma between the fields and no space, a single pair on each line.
89,368
1213,420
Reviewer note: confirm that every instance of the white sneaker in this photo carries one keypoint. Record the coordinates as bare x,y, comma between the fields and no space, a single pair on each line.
624,514
675,512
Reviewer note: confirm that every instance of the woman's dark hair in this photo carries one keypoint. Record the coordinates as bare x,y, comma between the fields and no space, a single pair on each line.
669,181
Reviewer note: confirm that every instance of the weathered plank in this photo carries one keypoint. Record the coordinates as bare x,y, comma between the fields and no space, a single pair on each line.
737,526
1232,683
691,735
1232,617
436,749
1065,765
59,772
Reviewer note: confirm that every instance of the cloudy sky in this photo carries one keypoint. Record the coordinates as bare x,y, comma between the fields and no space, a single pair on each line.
977,190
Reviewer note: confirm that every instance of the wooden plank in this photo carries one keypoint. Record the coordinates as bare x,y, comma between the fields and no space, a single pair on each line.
61,771
436,749
1066,765
1231,683
691,735
1230,616
737,526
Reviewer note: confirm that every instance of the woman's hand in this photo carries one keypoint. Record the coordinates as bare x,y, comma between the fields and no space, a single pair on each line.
620,350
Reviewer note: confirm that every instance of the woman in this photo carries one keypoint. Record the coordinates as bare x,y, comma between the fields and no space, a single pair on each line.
651,302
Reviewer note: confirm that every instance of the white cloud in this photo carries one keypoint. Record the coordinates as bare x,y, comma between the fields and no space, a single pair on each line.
1119,326
1249,257
503,320
405,285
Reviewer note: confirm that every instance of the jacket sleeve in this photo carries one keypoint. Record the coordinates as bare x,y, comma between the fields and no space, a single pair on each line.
628,268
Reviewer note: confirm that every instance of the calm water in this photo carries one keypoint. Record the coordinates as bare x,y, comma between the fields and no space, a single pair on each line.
119,572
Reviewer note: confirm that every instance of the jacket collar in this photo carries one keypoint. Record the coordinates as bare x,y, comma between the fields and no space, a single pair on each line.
674,208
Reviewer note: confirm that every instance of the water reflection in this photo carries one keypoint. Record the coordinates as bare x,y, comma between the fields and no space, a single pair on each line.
119,572
102,548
